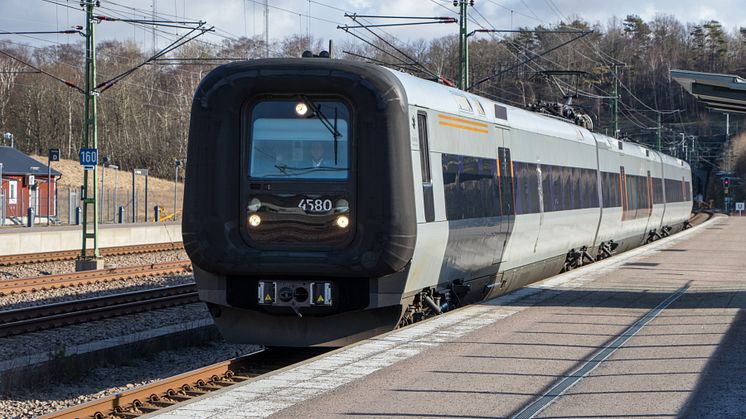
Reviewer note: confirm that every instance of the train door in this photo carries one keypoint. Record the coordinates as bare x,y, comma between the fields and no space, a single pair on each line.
623,192
427,183
507,199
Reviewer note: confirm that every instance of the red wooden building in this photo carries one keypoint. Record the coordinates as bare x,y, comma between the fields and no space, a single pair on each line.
26,184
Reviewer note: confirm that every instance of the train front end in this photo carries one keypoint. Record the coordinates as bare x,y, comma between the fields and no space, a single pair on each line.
299,215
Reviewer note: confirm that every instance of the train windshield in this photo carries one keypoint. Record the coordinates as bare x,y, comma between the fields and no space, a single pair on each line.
299,139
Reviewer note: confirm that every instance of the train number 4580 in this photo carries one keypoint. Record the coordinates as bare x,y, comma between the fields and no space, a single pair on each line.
315,205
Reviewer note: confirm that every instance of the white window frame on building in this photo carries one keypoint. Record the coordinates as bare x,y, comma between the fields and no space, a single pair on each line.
12,192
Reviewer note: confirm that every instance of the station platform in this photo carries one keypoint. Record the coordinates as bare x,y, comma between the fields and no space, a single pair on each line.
20,240
656,331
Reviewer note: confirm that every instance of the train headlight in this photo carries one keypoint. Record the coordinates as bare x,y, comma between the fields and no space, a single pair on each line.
255,220
301,108
343,221
254,205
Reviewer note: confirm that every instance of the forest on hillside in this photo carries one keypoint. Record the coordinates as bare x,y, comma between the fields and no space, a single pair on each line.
143,120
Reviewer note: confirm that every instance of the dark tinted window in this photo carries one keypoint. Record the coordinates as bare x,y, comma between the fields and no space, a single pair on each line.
657,190
295,139
470,186
424,147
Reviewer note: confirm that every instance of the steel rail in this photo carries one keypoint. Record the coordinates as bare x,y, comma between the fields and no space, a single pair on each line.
31,319
169,391
8,260
90,277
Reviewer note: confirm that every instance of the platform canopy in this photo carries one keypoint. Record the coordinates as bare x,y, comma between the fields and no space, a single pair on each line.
720,92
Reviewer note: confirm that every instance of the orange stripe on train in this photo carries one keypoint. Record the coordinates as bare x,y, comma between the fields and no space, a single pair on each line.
463,121
448,124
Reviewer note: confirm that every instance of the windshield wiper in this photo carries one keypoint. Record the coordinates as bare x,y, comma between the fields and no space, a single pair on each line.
325,121
286,170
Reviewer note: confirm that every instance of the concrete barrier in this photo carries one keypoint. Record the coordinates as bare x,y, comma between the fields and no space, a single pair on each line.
14,241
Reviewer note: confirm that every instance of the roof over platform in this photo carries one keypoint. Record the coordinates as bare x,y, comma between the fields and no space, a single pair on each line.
720,92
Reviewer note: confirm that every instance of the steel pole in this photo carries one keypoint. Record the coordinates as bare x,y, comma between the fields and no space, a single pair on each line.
103,194
463,46
659,130
176,181
116,183
49,188
90,132
615,102
134,203
2,197
146,197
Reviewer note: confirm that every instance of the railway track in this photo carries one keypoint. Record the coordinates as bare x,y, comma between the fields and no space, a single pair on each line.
167,392
9,260
91,277
26,320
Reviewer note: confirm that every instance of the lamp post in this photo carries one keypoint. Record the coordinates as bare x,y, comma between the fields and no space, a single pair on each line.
116,181
53,155
2,197
177,163
9,137
104,163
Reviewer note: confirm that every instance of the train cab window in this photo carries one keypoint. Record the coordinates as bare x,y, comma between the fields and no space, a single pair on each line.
463,103
424,147
299,139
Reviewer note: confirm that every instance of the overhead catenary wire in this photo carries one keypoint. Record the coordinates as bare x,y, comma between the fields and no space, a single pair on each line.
390,45
40,70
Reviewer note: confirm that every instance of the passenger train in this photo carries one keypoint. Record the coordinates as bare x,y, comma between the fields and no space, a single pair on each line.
330,200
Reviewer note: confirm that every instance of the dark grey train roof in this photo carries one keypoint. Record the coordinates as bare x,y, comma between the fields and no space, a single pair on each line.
721,92
17,163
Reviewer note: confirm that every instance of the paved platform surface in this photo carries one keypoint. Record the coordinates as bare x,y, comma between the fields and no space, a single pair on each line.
659,331
20,240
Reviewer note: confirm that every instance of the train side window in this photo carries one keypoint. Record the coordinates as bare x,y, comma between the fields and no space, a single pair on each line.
424,147
594,188
532,189
427,185
623,189
520,178
546,187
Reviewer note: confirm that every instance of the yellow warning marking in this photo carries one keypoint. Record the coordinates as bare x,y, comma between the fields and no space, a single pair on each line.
448,124
268,298
320,299
463,121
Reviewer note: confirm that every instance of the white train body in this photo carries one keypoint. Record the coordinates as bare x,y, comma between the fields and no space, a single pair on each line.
541,236
435,198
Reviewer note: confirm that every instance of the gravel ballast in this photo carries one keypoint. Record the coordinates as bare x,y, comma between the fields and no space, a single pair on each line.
67,294
104,381
66,266
111,379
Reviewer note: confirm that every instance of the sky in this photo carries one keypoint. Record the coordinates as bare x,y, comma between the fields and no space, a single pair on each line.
235,18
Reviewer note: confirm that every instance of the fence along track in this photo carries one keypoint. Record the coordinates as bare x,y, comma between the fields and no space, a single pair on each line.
26,320
169,391
91,277
9,260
